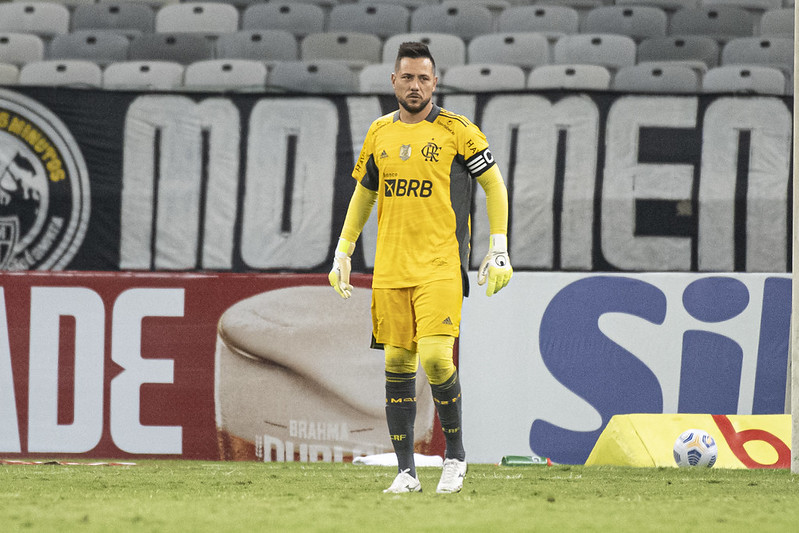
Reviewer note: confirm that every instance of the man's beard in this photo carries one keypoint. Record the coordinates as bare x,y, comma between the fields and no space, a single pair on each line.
413,108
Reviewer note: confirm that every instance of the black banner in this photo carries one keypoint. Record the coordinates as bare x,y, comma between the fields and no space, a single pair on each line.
598,181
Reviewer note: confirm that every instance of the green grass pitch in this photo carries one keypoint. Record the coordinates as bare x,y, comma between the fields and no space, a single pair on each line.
200,496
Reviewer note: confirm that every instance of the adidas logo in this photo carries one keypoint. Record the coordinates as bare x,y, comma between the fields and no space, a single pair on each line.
383,155
447,321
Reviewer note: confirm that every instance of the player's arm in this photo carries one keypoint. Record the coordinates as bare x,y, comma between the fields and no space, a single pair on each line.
357,214
495,267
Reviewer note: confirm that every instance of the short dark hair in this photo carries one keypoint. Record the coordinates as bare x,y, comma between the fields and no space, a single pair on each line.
414,50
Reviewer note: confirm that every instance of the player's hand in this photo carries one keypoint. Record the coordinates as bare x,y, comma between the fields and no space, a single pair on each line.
496,265
340,273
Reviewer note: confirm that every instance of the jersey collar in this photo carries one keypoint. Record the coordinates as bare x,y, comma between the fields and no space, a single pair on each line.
431,117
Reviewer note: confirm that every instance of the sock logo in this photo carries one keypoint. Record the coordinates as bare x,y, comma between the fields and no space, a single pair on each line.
413,187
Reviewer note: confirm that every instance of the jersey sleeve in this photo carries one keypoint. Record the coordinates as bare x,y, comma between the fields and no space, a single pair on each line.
475,151
365,170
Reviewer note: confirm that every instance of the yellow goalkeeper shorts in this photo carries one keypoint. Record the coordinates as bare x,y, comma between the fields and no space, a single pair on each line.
400,317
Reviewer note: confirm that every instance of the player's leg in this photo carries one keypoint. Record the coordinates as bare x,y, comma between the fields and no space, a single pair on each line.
393,327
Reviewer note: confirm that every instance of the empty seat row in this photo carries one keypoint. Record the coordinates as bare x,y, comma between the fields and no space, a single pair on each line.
385,19
526,50
330,77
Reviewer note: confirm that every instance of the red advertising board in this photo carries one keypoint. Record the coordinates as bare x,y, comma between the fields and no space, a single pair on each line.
198,366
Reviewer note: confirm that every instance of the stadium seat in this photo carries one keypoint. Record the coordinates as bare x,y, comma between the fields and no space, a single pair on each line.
448,50
767,51
718,22
9,74
607,50
313,77
63,73
297,18
382,20
263,45
749,5
483,77
20,48
102,47
744,79
551,20
376,78
130,18
40,18
778,23
638,22
143,75
588,77
696,51
464,20
357,49
238,74
660,79
180,47
667,5
207,18
523,49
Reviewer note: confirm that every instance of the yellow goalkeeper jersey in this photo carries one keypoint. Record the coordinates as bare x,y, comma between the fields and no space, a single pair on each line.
423,174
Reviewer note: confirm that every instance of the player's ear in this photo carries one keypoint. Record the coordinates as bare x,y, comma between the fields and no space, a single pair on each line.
393,78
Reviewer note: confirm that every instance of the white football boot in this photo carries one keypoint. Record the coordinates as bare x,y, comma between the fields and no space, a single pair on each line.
404,482
452,476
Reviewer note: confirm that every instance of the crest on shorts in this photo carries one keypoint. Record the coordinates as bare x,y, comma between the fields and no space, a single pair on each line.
405,152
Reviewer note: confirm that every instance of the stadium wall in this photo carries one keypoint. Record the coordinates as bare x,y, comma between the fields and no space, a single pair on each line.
168,210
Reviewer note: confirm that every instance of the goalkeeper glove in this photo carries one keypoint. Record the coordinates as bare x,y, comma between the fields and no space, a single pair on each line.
340,273
496,265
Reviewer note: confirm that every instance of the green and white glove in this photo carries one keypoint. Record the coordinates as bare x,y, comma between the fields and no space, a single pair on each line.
496,265
340,273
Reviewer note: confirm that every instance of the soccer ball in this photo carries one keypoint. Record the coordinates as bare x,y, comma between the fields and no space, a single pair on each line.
695,447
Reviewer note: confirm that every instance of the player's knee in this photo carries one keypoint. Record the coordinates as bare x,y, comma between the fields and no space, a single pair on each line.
401,361
435,353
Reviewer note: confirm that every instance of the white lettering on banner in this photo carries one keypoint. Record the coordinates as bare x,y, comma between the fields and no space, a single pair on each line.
311,126
769,156
626,180
560,156
269,449
48,305
174,127
126,430
9,426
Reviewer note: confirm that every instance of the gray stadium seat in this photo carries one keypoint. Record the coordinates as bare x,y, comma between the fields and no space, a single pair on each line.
448,50
524,49
551,20
588,77
638,22
131,18
778,23
663,79
719,22
102,47
180,47
464,20
300,19
483,77
20,48
40,18
376,78
9,74
313,77
382,20
263,45
666,5
768,51
358,49
697,51
143,75
607,50
749,5
744,79
63,73
207,18
238,74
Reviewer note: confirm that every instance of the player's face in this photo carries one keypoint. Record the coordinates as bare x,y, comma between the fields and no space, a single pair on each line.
414,82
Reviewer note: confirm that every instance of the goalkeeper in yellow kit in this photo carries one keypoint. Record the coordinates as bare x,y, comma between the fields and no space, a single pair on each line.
419,163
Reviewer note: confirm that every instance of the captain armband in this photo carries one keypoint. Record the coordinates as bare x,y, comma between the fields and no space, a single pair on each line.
480,162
